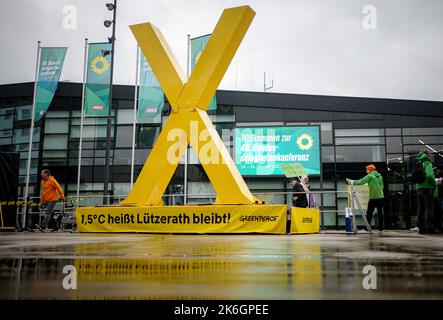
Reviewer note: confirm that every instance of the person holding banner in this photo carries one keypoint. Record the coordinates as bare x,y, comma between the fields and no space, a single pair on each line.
304,181
50,190
376,196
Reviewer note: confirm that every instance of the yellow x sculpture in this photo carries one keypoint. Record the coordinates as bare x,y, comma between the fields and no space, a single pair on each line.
189,122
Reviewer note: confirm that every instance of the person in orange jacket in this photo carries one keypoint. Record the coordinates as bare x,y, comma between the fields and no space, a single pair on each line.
50,190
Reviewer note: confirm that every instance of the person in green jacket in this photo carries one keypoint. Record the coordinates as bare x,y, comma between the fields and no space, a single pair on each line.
376,196
425,194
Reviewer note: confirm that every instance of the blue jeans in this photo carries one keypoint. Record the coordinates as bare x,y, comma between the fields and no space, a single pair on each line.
49,213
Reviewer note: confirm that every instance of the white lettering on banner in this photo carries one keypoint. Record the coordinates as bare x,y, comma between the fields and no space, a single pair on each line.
274,157
256,138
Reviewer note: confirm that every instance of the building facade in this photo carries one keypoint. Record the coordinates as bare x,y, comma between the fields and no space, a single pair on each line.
354,132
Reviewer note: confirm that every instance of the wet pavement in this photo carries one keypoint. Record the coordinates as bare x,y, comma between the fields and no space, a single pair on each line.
152,266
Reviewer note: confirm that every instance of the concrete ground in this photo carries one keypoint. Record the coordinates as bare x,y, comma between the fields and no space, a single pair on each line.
265,267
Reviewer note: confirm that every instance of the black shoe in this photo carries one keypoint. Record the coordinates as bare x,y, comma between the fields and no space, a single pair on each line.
39,227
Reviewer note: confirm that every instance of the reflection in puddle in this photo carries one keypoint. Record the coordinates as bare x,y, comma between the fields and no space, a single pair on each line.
219,267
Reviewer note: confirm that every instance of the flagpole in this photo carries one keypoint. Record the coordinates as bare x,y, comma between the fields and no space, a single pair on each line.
107,194
134,120
185,186
31,135
81,121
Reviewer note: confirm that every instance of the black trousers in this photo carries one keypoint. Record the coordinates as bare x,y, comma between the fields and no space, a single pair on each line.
372,204
425,210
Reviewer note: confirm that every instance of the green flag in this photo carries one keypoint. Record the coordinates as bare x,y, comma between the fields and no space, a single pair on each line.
51,65
98,78
150,96
197,47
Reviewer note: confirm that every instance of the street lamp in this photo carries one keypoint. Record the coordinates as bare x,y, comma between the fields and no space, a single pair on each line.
107,24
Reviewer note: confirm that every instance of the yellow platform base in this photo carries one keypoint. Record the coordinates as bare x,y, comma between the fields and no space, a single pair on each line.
184,219
304,220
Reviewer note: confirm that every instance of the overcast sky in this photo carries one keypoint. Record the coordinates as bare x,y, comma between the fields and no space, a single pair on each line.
306,46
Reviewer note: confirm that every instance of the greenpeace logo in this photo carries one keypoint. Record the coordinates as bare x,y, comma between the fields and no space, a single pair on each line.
306,220
98,107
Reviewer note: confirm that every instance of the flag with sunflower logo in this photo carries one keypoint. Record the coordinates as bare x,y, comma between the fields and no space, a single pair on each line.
51,65
151,99
197,46
98,79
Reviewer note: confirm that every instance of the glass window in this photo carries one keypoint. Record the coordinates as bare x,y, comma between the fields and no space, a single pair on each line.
259,124
121,188
90,132
409,148
6,119
125,116
147,137
425,139
23,113
124,137
5,141
422,131
393,131
25,155
56,125
359,132
393,144
54,154
91,121
57,114
326,132
157,119
226,132
359,141
361,154
327,154
122,157
5,133
22,135
53,162
394,157
140,155
99,161
222,118
55,142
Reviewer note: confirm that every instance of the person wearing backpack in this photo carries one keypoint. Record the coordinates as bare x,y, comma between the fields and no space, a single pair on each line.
426,187
376,195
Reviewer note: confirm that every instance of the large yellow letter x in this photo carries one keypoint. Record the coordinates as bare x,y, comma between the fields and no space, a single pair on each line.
189,122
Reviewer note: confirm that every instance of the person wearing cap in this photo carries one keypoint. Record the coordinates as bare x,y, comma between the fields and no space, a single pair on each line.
376,196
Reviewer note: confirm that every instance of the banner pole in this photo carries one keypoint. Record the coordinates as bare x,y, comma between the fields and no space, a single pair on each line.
134,120
31,134
81,122
185,184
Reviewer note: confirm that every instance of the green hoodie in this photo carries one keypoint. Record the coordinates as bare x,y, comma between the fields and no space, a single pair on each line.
429,182
375,184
